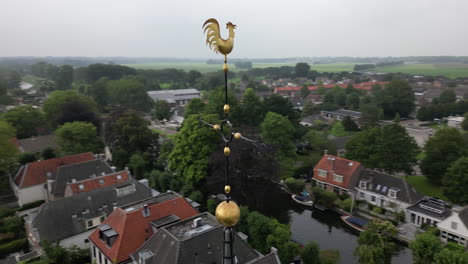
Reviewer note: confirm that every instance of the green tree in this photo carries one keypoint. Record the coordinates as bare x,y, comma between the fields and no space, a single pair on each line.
424,247
56,254
27,120
277,129
464,124
98,91
195,106
259,227
162,110
64,77
349,124
193,146
78,137
445,147
397,97
447,256
294,185
329,256
374,244
58,100
129,92
26,157
353,101
216,102
48,153
251,110
278,104
301,69
7,149
304,91
455,181
316,140
447,96
137,165
340,98
311,253
338,130
389,148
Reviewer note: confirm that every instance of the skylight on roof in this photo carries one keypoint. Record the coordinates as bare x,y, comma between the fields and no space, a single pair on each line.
378,187
384,189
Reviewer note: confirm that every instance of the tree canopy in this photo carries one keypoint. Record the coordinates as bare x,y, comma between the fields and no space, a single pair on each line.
162,110
302,69
373,246
455,181
397,97
389,148
27,120
445,147
78,137
251,111
424,247
129,92
57,100
277,129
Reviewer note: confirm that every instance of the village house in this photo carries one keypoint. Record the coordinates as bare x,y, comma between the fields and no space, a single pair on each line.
175,97
337,174
455,121
35,144
75,172
389,192
455,228
340,114
198,239
30,182
429,211
127,228
92,184
311,120
69,221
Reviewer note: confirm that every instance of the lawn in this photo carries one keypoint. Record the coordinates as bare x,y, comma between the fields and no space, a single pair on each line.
203,67
451,70
422,185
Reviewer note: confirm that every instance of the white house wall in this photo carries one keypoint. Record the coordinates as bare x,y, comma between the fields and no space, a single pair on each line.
399,205
461,230
77,240
31,194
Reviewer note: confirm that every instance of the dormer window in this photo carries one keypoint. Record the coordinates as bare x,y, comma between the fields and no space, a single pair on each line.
337,178
322,173
363,185
81,186
119,177
101,181
124,190
392,193
454,225
145,256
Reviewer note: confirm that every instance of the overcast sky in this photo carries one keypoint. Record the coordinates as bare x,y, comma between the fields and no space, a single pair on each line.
266,28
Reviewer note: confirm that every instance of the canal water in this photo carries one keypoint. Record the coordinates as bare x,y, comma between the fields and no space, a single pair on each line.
326,228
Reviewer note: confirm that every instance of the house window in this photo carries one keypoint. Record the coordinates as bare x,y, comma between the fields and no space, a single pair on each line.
373,198
81,186
101,181
363,185
119,177
392,193
90,223
94,251
336,190
362,195
322,173
125,190
337,178
454,225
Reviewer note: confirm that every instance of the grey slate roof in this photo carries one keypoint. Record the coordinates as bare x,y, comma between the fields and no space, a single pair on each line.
433,208
37,144
310,119
67,217
181,243
343,112
340,142
378,180
463,214
171,96
79,171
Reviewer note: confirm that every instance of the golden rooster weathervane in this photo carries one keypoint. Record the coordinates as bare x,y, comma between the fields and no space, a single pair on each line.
214,39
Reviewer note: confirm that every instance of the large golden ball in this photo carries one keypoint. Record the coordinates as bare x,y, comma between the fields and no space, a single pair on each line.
228,213
226,108
237,135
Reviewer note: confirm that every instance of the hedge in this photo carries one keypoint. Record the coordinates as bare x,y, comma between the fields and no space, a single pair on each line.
13,246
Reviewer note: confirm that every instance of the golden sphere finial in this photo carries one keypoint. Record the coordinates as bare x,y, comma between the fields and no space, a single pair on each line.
237,135
227,151
227,213
216,127
227,189
225,67
226,108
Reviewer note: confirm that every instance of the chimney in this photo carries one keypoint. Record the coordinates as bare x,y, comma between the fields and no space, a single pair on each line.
73,180
325,152
113,168
274,250
103,173
196,222
146,211
333,163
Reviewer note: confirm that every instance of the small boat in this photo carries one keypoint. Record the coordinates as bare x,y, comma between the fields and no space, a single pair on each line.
320,207
304,200
355,222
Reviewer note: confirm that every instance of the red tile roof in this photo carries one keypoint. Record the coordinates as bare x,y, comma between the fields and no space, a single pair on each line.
340,166
35,173
134,229
367,86
98,182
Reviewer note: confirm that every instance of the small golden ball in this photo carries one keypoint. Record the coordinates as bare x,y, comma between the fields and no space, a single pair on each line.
227,151
237,135
228,213
227,189
216,127
226,108
225,67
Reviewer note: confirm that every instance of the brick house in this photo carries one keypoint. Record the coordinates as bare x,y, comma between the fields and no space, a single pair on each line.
337,174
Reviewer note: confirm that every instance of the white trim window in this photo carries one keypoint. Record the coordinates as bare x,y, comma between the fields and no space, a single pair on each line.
322,173
337,178
363,185
392,193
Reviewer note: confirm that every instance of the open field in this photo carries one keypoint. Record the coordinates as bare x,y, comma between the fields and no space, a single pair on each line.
451,70
203,67
422,185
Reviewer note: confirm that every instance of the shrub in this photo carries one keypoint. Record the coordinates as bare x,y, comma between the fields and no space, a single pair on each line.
324,198
13,246
370,206
329,256
31,205
377,210
294,185
345,204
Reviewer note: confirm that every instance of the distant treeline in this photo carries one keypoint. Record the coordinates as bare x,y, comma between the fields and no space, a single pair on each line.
361,67
428,113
